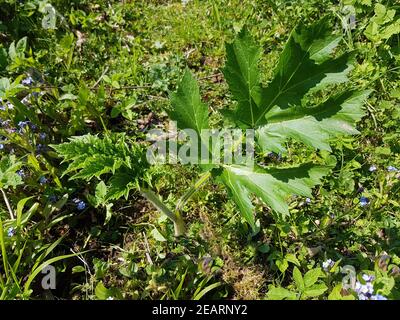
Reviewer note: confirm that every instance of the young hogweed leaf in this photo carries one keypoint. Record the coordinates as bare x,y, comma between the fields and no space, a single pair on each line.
121,183
91,156
272,185
312,126
304,65
243,76
188,110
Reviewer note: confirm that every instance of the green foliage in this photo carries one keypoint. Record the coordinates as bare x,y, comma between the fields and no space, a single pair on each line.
8,172
279,111
112,66
92,156
305,287
383,24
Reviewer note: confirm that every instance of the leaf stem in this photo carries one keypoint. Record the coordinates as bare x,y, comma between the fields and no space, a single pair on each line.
179,224
182,201
7,204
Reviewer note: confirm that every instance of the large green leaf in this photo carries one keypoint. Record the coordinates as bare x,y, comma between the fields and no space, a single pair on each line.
273,185
305,64
242,74
313,126
188,110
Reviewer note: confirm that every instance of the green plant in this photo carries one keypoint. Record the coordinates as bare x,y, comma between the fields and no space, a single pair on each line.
277,112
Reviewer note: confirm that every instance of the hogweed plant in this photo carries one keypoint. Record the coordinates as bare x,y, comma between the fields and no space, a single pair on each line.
277,112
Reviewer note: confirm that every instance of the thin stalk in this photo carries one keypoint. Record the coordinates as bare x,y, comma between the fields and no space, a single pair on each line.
179,224
182,201
3,251
7,204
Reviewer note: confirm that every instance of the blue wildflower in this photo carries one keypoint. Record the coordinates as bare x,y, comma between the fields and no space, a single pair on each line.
364,291
308,200
21,173
23,124
27,81
1,146
328,264
40,148
32,126
372,168
364,201
392,169
11,232
80,205
42,136
43,180
368,278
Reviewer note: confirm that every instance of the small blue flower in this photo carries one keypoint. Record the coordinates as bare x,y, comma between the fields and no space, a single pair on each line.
368,278
328,264
41,148
364,201
372,168
43,180
42,136
11,232
364,291
392,169
26,100
23,124
80,205
21,173
1,146
308,200
27,81
32,126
